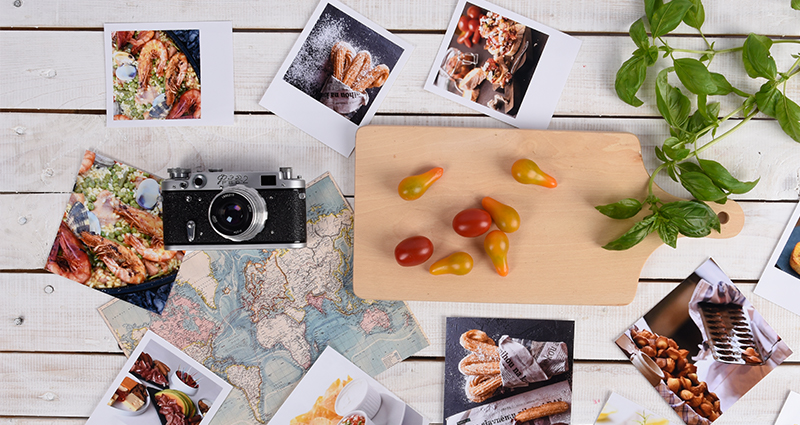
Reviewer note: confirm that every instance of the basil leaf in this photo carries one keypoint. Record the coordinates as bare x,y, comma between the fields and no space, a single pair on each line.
667,17
690,167
650,6
639,35
674,149
672,173
667,231
630,78
660,155
723,178
636,234
651,55
713,110
695,76
749,104
625,208
673,105
756,57
693,219
788,115
768,98
702,187
723,86
695,16
796,4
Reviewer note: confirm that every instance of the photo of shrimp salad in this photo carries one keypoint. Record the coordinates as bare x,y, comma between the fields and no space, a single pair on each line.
154,75
111,234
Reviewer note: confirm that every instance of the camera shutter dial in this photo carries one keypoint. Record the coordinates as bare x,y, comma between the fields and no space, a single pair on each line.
238,213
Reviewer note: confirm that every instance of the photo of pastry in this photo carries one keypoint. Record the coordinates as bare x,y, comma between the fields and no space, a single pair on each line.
111,235
161,384
492,59
336,75
703,346
780,281
495,362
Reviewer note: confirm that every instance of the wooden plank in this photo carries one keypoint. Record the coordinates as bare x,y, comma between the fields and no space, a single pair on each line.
59,78
41,299
70,385
42,421
731,17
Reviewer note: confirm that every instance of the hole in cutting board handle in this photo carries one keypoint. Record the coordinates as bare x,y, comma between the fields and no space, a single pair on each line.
723,217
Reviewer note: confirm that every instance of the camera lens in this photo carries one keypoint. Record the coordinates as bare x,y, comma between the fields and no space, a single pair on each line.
238,213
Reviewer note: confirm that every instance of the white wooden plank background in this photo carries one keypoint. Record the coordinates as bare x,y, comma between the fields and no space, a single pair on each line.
52,340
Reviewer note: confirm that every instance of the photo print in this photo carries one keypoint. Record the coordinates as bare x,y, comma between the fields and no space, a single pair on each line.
492,60
111,235
508,371
790,414
618,410
169,74
161,384
780,281
336,75
703,346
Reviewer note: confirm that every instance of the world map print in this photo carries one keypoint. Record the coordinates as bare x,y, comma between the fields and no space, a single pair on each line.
260,318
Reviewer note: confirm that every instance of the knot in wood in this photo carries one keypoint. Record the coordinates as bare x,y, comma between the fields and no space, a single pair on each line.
19,320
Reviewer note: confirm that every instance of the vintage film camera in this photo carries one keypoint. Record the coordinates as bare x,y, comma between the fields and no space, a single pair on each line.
219,210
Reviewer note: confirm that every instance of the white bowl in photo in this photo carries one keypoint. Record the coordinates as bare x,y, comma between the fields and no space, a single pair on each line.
175,383
121,409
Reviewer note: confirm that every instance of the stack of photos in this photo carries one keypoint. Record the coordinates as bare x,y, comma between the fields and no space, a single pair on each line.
499,63
618,410
337,392
161,384
703,346
790,414
336,75
111,236
508,371
154,74
780,281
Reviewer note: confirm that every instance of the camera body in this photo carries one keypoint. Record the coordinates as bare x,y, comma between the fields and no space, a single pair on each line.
221,210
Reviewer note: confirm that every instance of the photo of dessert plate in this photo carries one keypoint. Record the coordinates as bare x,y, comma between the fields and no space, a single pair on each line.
391,411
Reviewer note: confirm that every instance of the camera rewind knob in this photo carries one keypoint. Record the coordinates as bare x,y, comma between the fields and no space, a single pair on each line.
178,173
286,173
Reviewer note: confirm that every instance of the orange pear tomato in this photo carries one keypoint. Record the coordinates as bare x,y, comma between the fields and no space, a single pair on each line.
505,217
527,172
413,187
457,263
496,246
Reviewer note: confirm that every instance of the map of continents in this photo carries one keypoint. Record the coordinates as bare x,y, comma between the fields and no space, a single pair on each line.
259,319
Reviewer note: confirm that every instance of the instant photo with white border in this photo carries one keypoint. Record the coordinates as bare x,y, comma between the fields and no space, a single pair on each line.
302,108
790,413
779,283
210,387
216,73
547,82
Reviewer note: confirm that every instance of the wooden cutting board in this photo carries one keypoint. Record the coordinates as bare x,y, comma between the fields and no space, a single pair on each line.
555,257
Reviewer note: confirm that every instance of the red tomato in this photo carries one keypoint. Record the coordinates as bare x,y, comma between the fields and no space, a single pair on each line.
413,251
472,222
462,23
474,12
473,25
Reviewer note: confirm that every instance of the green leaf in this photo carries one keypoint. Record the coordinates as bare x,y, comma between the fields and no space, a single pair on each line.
672,173
690,167
768,98
702,187
651,55
723,86
667,231
749,104
723,178
650,6
660,155
693,219
674,149
636,234
695,16
623,209
756,57
796,4
630,78
673,105
788,114
667,17
639,35
695,76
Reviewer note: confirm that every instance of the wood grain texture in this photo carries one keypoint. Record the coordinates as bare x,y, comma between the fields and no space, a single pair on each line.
59,78
731,17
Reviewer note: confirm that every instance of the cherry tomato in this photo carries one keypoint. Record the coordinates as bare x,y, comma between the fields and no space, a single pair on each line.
527,172
476,37
505,217
473,25
412,187
457,263
413,251
496,246
462,23
474,12
472,222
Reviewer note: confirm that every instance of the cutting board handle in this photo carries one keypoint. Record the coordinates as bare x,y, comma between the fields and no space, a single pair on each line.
731,219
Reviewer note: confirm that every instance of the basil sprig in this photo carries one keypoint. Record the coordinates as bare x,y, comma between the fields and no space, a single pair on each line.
706,180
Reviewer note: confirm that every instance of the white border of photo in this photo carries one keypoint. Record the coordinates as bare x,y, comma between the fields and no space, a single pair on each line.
776,285
216,73
790,413
540,99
